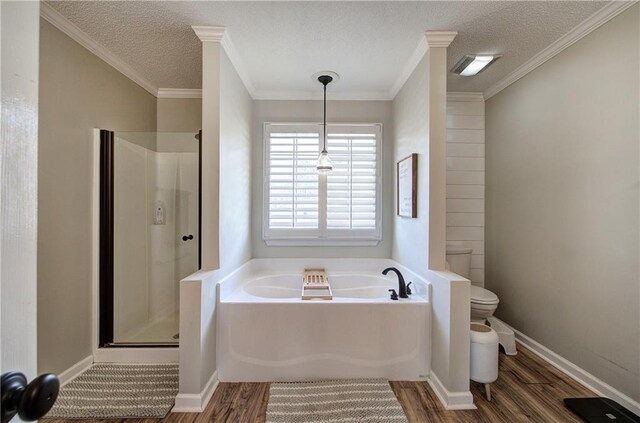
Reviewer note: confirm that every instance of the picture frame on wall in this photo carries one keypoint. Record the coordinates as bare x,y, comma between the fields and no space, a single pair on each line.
407,189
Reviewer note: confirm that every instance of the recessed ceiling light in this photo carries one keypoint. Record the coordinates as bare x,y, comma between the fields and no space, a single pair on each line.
473,64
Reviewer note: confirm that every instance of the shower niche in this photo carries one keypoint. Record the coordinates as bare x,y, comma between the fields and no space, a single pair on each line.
149,234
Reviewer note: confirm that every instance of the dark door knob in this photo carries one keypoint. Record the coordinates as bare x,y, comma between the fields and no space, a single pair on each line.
30,401
187,237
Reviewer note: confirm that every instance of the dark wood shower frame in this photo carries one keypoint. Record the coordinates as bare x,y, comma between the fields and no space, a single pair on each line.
106,276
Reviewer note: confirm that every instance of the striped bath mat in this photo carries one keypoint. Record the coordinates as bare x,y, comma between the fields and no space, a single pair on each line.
334,402
118,391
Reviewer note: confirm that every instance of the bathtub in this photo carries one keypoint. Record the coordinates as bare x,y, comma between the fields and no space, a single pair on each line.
266,332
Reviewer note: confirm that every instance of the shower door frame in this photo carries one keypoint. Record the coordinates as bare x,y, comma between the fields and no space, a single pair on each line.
106,282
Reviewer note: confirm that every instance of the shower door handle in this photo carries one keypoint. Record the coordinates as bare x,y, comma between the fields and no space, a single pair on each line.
187,238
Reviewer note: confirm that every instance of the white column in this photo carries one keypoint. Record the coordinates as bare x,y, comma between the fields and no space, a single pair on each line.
438,41
197,291
211,38
451,310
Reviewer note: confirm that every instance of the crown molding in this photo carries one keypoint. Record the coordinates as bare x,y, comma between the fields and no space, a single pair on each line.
312,95
595,21
284,95
440,39
179,93
219,34
66,26
465,96
317,95
210,33
430,39
238,64
409,67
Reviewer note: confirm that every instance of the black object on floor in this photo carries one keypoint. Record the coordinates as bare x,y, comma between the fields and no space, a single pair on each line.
600,410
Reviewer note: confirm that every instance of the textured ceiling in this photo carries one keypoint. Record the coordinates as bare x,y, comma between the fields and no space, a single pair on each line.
281,44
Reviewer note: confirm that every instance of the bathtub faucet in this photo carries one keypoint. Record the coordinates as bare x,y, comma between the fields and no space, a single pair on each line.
402,288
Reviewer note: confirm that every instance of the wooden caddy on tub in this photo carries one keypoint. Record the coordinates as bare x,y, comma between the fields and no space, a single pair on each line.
315,285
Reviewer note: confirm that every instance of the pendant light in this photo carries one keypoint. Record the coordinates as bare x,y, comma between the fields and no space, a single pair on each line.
325,165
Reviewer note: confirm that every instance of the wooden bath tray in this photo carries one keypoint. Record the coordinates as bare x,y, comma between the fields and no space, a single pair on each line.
315,285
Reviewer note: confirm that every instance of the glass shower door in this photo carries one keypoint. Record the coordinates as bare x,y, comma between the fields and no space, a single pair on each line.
155,232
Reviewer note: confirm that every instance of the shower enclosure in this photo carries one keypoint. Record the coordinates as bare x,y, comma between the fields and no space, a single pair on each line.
149,233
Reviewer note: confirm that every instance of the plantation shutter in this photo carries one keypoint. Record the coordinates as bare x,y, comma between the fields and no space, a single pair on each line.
352,187
302,207
292,179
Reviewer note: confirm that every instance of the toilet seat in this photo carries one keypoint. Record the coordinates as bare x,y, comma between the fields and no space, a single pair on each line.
483,296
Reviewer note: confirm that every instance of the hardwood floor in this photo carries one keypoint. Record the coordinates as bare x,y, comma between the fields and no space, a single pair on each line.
527,390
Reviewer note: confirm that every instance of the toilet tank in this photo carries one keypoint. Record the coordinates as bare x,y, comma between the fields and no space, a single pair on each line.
459,260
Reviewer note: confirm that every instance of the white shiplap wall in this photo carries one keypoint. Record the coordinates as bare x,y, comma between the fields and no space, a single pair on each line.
465,176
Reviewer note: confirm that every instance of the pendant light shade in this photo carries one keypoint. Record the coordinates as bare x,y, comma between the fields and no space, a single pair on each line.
325,165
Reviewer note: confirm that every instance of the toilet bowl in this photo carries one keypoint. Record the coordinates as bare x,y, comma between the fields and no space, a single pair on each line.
483,304
483,301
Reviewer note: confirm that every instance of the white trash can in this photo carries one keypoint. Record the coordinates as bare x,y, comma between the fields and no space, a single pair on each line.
484,355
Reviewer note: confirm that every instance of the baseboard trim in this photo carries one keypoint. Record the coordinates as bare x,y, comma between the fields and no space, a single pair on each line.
578,374
196,403
451,400
75,370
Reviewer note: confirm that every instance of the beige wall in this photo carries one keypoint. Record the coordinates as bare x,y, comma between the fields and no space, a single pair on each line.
411,135
179,114
288,111
78,92
563,203
210,150
235,168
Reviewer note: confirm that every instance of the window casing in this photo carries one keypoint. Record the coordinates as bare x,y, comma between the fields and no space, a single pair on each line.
302,207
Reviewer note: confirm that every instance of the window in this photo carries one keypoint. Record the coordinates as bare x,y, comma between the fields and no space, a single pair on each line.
302,207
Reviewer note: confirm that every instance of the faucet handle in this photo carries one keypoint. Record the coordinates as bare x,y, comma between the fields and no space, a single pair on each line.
409,289
394,294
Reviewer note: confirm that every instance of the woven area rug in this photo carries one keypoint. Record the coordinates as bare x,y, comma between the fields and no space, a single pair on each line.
334,402
118,391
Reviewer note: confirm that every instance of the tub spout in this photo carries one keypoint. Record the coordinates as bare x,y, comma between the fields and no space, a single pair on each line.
402,287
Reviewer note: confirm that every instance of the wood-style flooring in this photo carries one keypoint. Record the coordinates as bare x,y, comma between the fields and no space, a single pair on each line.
527,390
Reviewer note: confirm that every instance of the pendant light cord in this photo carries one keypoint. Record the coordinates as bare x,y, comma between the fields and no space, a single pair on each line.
324,145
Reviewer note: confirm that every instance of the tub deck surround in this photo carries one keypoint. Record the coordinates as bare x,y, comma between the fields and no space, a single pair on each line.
266,332
255,268
346,287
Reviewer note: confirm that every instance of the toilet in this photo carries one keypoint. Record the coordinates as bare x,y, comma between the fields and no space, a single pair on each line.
483,301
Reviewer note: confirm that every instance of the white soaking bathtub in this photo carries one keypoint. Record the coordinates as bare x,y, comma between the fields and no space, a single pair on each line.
266,332
288,287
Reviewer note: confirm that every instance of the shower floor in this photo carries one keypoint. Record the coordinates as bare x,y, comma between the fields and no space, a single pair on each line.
156,332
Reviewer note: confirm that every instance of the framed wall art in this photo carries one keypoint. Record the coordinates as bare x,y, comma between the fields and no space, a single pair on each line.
407,177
